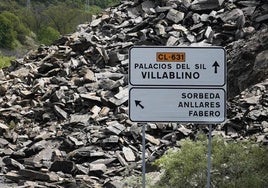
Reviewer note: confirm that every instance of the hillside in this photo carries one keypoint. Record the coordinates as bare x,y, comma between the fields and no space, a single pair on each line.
64,107
24,24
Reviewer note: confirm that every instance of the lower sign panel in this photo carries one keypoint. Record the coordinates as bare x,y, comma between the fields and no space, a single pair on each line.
196,105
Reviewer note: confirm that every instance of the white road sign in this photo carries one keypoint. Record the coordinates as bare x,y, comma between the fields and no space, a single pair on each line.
177,104
177,84
177,66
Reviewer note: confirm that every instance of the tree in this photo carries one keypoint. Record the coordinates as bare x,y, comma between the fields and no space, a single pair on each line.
7,34
33,17
47,35
19,29
62,17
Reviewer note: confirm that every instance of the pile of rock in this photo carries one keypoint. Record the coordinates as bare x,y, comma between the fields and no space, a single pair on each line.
248,114
64,108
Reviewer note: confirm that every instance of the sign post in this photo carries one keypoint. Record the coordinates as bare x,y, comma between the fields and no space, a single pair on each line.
177,84
209,156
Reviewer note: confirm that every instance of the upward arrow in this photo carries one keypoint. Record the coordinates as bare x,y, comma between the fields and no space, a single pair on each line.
215,65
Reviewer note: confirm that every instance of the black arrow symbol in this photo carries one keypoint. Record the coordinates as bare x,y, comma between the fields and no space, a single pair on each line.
138,103
215,65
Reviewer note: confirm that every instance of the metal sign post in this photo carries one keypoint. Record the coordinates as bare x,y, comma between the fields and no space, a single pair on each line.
209,156
143,156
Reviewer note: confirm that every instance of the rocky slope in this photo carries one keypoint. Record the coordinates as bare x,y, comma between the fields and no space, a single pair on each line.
64,108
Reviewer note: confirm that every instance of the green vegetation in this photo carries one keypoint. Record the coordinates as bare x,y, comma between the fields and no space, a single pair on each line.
7,35
5,61
234,164
48,35
22,20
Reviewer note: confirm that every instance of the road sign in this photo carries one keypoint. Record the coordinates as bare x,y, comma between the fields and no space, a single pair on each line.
177,84
177,66
177,104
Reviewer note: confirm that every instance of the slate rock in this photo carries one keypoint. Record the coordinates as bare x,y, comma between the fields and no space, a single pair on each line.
261,61
3,142
175,16
234,17
3,90
3,128
34,175
129,155
63,166
201,5
13,163
97,169
79,119
115,127
15,177
2,75
60,112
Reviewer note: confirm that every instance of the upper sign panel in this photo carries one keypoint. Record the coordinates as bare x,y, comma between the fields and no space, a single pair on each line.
177,66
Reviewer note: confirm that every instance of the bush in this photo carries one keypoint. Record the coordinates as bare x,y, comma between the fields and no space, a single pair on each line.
48,35
234,164
5,61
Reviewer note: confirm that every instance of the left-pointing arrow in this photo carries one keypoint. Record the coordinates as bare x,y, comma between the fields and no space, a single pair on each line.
138,103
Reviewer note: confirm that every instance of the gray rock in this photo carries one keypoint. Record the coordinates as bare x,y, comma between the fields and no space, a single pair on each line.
60,112
3,90
12,163
82,169
262,18
34,175
79,119
121,158
3,142
111,140
3,128
115,184
97,169
261,61
209,34
89,76
175,16
63,166
95,111
152,139
234,17
75,141
115,127
20,73
160,29
104,161
120,98
44,155
148,6
129,155
199,5
13,176
2,75
172,41
95,22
